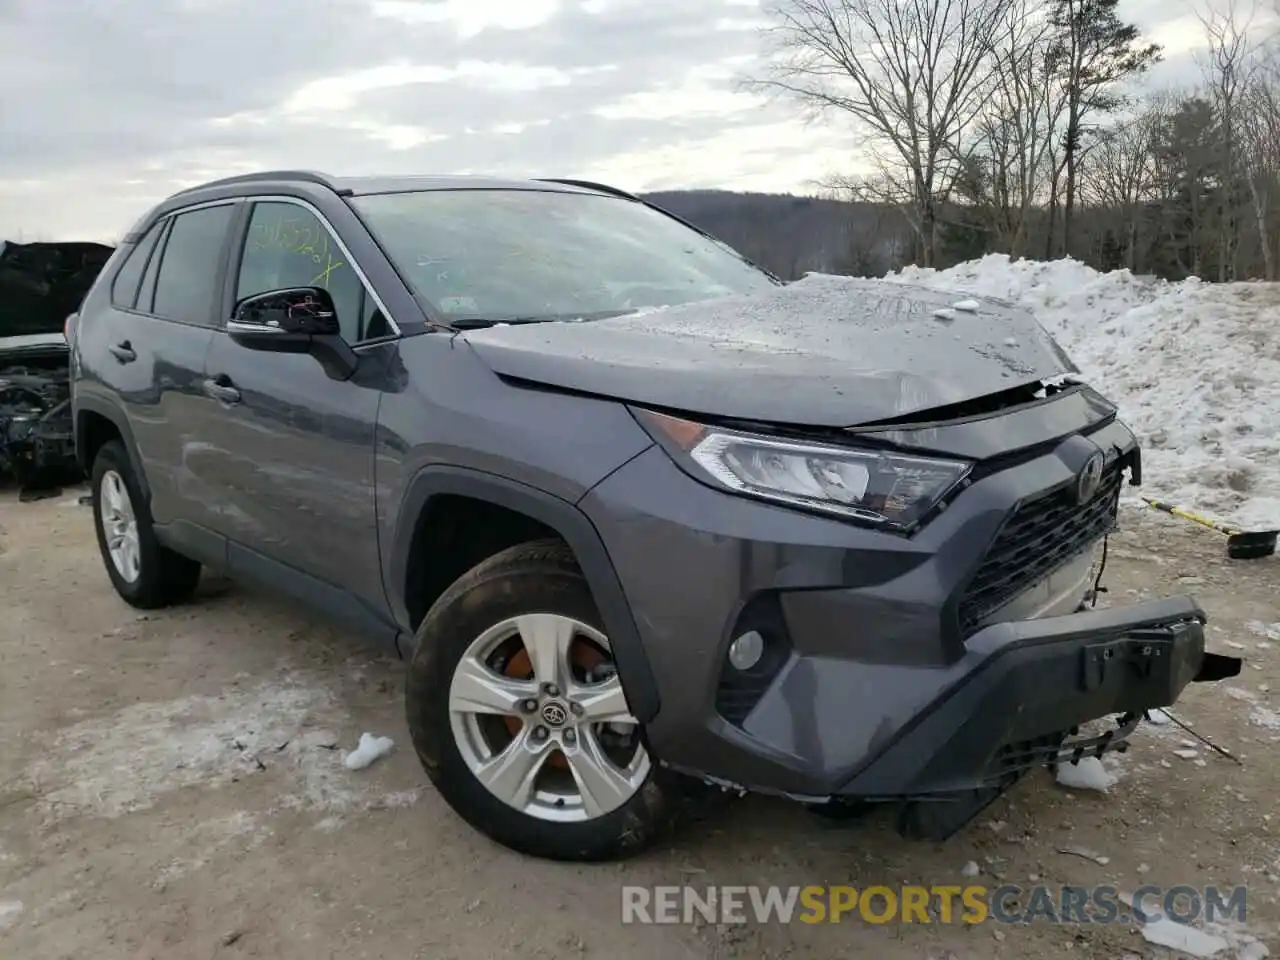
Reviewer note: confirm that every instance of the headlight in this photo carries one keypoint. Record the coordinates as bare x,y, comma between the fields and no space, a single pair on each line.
874,486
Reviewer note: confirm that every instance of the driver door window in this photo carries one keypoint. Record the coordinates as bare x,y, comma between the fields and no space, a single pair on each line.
288,246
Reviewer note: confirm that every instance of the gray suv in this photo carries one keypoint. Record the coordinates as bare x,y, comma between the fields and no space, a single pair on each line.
641,518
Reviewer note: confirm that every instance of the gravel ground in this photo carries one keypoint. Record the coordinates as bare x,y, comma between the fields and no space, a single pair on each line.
171,786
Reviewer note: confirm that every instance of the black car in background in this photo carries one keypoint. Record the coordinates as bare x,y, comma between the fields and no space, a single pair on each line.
41,284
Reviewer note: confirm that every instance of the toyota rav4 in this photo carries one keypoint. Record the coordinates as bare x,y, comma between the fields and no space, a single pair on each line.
640,517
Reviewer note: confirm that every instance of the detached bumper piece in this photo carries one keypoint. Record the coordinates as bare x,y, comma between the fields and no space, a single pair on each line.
1024,705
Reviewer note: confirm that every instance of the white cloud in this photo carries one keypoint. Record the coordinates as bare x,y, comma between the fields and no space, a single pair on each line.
110,108
470,17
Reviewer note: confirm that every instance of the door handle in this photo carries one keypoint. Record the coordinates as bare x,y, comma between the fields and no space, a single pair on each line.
123,351
220,389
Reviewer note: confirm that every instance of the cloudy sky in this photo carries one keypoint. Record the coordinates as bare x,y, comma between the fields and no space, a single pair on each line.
108,106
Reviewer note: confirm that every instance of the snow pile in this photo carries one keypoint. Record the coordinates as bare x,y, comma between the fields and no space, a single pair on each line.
1088,773
1193,366
370,748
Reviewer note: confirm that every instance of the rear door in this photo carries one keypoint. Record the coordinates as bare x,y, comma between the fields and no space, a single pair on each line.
153,340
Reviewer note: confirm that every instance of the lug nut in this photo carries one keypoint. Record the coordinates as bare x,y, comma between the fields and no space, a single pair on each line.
576,708
570,736
529,706
539,733
552,690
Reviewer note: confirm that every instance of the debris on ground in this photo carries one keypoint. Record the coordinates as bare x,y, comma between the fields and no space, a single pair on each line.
1178,936
1269,631
1086,774
970,869
9,910
370,749
1085,853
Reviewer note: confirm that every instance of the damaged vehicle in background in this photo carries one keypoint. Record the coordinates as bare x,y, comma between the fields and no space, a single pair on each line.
41,285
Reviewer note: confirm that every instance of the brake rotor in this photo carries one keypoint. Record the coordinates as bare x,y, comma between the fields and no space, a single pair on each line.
585,656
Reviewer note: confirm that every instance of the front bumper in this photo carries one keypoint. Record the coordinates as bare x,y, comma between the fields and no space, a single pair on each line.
35,448
1031,685
1022,704
880,690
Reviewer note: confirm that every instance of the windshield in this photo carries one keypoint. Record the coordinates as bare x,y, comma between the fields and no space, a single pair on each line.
503,255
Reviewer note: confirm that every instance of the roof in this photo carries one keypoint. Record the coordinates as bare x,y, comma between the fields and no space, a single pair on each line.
364,186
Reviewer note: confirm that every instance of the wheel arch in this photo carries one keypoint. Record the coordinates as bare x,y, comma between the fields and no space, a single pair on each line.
97,422
545,510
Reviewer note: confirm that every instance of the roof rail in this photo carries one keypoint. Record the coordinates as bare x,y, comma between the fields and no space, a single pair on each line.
589,185
306,176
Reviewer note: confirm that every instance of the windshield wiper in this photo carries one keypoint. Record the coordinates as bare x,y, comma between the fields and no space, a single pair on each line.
480,323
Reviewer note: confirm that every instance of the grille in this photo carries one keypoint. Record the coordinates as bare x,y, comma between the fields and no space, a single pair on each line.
1042,534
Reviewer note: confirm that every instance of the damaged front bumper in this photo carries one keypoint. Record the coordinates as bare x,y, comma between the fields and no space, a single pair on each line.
37,443
38,447
1020,703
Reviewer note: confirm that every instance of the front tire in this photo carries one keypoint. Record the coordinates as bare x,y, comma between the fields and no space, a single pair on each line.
146,574
520,720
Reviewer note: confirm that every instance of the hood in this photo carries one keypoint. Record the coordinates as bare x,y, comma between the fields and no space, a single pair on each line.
824,351
32,346
40,283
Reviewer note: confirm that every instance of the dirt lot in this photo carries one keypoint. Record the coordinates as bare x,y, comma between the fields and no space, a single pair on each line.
171,786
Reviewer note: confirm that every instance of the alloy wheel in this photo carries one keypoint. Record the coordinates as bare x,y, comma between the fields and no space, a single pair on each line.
540,718
119,526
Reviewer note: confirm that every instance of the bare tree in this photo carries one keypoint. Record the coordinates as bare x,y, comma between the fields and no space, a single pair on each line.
1260,140
1119,175
884,189
1009,160
1227,64
910,73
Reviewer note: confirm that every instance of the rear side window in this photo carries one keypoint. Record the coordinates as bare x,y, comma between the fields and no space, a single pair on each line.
187,285
124,289
147,293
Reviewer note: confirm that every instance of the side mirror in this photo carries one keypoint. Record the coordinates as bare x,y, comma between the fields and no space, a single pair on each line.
296,311
294,320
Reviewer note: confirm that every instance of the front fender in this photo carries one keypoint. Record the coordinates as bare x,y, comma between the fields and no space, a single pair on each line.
576,530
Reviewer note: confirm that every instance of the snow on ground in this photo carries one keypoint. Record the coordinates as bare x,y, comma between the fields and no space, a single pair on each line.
109,766
1193,366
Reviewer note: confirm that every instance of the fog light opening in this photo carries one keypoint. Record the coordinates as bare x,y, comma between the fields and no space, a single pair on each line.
745,651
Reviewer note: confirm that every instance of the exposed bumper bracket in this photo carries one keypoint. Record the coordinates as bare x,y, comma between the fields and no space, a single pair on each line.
1024,707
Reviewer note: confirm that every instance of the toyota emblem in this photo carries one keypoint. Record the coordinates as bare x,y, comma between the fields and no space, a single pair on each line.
1089,479
554,714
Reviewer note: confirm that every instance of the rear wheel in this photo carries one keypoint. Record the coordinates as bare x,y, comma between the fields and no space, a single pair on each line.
144,573
520,718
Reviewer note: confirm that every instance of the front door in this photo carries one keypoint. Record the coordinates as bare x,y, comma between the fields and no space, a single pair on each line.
296,447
